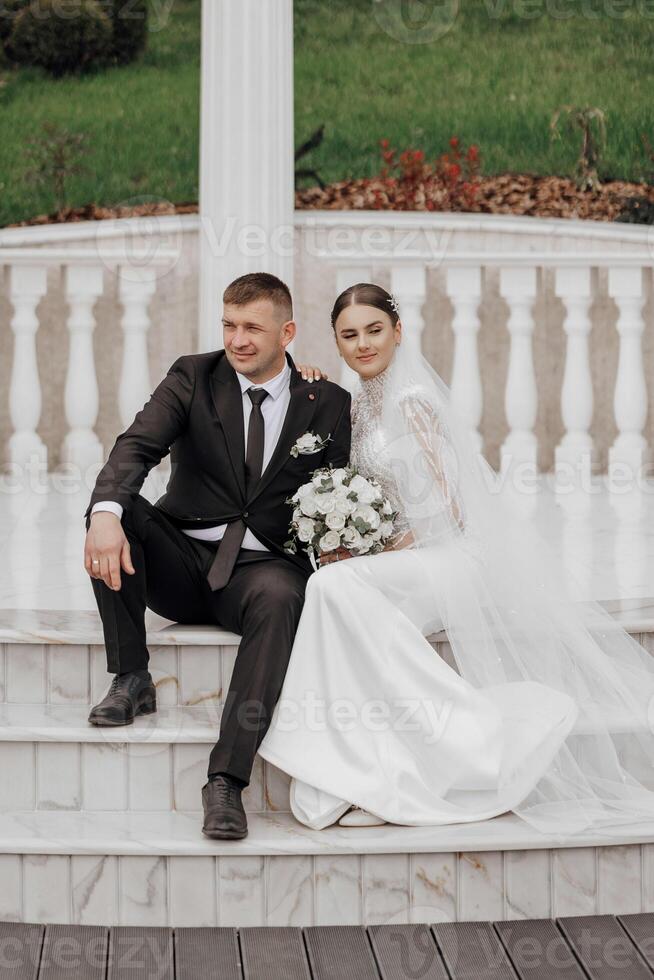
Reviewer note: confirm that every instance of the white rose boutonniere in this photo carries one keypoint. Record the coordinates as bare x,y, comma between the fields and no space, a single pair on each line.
309,443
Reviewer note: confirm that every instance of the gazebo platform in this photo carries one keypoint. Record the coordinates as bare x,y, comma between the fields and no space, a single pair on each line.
102,828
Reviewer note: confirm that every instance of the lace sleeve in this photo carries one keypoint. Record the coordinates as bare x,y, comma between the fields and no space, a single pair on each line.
423,422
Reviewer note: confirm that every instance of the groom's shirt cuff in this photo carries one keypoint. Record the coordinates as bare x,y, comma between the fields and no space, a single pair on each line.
111,505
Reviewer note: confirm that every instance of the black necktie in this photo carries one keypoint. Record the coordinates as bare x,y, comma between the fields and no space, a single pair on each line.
256,432
227,553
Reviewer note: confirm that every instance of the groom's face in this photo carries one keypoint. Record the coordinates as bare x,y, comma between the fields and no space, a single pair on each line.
255,339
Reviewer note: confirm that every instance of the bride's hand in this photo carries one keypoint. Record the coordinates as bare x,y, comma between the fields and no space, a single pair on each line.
310,373
337,555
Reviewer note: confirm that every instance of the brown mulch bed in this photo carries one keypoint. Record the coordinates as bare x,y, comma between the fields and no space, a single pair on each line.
509,193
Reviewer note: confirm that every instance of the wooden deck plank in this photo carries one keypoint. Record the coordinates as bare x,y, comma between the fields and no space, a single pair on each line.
74,950
207,953
273,953
21,944
603,948
472,951
640,926
340,953
537,950
140,952
405,952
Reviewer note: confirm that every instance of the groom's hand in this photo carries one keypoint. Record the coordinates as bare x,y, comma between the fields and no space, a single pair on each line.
106,549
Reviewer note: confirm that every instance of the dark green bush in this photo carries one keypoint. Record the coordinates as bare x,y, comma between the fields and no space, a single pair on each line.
59,37
8,11
129,21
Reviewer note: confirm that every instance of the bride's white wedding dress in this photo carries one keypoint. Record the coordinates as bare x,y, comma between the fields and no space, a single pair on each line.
371,715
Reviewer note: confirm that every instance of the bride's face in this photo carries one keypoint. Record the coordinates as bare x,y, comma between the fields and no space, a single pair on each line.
366,338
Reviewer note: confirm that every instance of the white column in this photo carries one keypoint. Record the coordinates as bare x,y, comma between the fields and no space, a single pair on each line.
518,288
27,285
246,149
345,278
629,451
81,446
575,451
463,286
136,289
409,286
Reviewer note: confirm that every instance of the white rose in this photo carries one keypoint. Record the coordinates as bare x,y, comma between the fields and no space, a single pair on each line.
307,441
335,521
366,494
338,476
344,506
358,482
367,514
318,478
325,502
351,537
386,528
304,490
308,505
305,529
329,541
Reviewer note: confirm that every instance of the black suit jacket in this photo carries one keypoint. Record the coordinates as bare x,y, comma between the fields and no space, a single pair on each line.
196,414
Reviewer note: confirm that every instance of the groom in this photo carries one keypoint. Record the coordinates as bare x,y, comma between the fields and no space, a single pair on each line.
211,548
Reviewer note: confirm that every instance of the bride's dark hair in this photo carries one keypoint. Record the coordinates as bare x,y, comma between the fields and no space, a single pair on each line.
369,294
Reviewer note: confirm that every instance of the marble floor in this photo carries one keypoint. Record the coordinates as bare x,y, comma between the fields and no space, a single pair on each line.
606,541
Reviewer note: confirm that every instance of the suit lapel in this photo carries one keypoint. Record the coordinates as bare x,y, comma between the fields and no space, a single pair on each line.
301,409
228,401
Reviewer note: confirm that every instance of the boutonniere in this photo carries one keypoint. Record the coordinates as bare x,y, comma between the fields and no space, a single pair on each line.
308,444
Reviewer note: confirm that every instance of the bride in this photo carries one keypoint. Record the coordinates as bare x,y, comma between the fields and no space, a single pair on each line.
545,707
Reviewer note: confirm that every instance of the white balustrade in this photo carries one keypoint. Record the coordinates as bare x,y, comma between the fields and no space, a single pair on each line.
83,270
629,452
518,288
575,451
409,286
81,446
134,390
463,287
27,284
363,261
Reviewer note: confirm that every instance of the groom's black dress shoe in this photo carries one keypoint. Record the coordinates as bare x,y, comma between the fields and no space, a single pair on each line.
130,694
224,816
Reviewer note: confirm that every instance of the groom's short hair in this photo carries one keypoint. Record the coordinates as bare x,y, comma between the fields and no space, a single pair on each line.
261,285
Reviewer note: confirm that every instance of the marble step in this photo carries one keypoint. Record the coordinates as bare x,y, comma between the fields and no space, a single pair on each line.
58,657
51,758
158,869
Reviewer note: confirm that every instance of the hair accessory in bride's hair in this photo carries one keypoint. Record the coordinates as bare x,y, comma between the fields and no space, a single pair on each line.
393,303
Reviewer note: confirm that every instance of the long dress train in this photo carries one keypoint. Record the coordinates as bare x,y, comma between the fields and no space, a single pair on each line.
370,714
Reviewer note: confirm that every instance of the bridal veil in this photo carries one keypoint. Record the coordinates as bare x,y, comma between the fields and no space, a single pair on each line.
520,616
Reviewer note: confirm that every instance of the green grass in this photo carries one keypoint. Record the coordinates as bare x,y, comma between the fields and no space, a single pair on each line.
494,78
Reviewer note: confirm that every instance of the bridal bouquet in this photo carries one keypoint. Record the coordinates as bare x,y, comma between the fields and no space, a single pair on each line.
340,509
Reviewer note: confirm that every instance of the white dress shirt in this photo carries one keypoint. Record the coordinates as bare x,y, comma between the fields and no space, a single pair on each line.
273,409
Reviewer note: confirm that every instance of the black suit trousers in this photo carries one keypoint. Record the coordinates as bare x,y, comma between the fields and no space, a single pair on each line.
262,601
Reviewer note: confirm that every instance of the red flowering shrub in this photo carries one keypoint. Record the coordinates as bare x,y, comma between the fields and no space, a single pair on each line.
409,182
